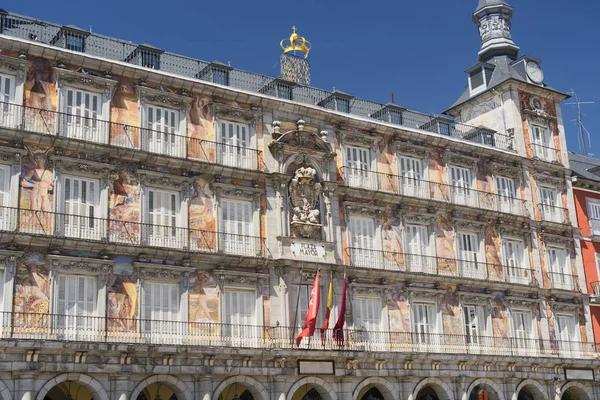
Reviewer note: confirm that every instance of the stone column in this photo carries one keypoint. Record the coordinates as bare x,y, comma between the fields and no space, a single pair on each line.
203,387
120,387
25,387
280,387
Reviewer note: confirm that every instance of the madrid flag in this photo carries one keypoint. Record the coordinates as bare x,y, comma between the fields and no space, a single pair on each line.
313,309
338,329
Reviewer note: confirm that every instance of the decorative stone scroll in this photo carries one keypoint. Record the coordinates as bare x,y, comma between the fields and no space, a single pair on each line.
85,81
305,200
80,264
410,149
163,272
459,159
250,279
233,113
168,99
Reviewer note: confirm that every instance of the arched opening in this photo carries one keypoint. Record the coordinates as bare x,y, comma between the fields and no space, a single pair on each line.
427,393
574,393
483,392
530,392
370,392
68,390
236,391
308,392
157,391
525,394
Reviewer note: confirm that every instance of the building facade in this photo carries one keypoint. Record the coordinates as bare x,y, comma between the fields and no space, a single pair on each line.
586,191
164,219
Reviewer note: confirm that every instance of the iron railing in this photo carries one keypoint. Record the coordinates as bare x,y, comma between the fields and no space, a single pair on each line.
559,280
97,45
553,213
545,153
89,228
80,328
422,189
441,266
92,129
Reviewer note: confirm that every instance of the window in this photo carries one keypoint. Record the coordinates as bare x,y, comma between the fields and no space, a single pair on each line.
425,323
284,91
161,219
476,327
411,177
548,205
471,261
9,113
150,59
75,42
221,76
240,315
417,245
594,216
161,133
358,166
559,268
8,216
362,242
514,262
77,303
567,332
505,187
542,143
82,110
80,207
367,321
444,128
237,228
396,117
160,313
3,320
342,105
523,330
462,183
234,148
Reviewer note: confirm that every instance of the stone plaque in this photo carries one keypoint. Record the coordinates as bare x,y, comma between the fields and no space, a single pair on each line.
313,367
301,248
572,374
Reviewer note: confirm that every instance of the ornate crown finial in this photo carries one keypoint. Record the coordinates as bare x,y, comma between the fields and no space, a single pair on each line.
295,43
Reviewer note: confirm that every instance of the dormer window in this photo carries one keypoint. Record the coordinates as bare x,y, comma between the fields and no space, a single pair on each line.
284,91
338,101
342,105
389,113
145,56
216,72
71,38
480,77
279,88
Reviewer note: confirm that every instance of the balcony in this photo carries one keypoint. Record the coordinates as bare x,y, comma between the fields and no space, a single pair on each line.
94,130
545,153
552,213
439,266
422,189
77,328
40,223
562,281
594,227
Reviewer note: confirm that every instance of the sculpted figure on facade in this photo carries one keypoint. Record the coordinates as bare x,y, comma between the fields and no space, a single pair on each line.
305,193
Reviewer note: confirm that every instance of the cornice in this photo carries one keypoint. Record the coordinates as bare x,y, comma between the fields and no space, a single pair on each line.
234,113
16,66
232,278
510,169
458,158
370,210
177,182
242,192
163,272
547,179
168,99
85,81
352,138
80,264
407,148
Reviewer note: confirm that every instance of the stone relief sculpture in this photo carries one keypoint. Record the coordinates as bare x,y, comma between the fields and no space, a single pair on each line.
305,194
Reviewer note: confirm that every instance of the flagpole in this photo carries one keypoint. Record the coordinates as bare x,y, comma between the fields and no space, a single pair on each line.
297,303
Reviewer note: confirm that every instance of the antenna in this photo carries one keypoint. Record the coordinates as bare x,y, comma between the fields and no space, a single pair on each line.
581,127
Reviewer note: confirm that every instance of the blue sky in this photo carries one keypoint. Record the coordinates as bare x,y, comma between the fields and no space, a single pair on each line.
416,49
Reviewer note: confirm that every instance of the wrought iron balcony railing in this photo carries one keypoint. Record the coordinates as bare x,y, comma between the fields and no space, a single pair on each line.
553,213
562,281
432,265
92,129
422,189
137,234
545,153
79,328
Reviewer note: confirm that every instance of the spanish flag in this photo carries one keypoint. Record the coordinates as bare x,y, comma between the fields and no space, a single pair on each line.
328,312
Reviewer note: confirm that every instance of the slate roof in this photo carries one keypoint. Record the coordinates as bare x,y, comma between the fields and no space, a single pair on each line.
585,167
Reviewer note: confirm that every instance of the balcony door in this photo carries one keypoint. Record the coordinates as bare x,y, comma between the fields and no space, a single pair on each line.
542,143
240,318
548,204
161,135
470,259
362,242
425,324
567,334
161,316
559,268
522,327
9,112
77,307
594,217
8,217
234,145
236,237
368,333
80,209
358,163
161,227
417,244
83,109
411,177
475,327
462,183
505,188
514,262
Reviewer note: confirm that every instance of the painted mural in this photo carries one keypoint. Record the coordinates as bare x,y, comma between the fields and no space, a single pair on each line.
40,95
549,108
445,237
203,301
202,218
500,321
391,232
452,315
201,131
124,203
122,296
386,164
438,175
485,184
125,113
37,195
492,250
32,292
399,315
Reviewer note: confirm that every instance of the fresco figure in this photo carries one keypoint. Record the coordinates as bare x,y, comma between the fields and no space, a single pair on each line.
38,180
201,214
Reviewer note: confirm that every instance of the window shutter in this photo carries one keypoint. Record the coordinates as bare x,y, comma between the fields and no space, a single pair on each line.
418,239
62,295
411,168
505,187
594,210
482,325
7,86
4,186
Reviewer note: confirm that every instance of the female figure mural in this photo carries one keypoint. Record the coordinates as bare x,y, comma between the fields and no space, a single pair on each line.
38,178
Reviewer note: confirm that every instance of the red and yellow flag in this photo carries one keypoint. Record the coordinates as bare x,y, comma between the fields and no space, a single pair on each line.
329,303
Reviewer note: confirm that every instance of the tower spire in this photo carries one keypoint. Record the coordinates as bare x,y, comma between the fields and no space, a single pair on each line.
493,18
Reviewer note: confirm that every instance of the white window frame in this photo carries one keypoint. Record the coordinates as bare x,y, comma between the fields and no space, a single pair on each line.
234,154
93,325
10,109
178,240
244,244
571,347
370,338
506,200
543,148
562,275
430,340
361,257
593,222
423,261
463,191
8,213
483,338
520,274
475,269
528,344
235,335
158,330
170,143
74,224
409,183
356,175
550,207
80,122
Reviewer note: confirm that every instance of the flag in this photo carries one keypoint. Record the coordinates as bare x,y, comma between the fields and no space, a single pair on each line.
338,329
311,315
328,312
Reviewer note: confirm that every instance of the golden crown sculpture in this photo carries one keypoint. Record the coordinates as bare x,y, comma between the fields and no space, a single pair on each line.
295,43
